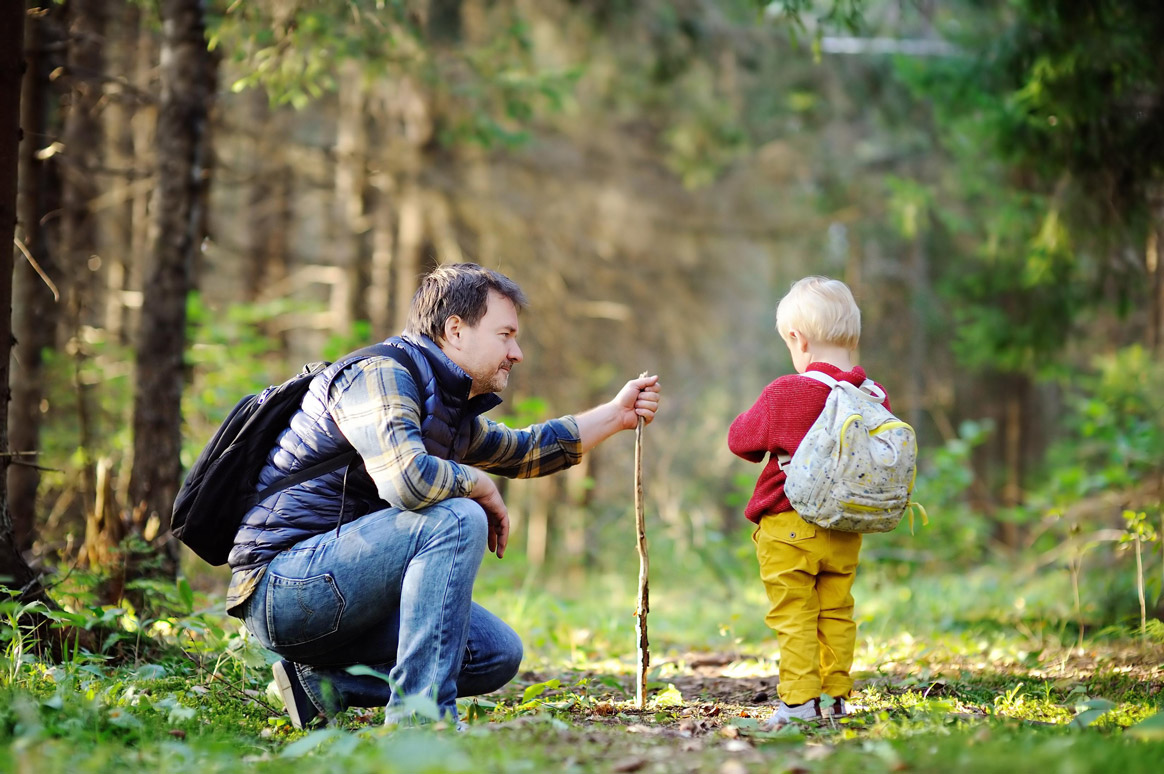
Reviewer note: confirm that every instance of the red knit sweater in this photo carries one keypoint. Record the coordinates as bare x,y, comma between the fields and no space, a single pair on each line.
776,424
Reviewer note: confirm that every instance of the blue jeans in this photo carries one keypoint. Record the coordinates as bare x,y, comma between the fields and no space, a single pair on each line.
391,590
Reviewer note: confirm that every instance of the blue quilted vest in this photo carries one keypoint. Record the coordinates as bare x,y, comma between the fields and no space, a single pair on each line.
313,507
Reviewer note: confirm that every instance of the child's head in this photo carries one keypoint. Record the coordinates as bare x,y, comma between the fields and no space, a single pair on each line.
822,310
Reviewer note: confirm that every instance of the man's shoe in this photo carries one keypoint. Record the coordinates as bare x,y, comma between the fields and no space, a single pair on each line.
299,706
785,714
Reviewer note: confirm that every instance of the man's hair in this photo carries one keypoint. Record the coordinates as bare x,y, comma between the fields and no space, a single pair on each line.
822,309
460,289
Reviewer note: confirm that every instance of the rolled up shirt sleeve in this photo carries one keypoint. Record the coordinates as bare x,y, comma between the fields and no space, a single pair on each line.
377,408
537,450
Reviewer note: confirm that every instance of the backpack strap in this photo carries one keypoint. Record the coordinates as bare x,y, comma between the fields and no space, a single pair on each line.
347,458
822,377
869,388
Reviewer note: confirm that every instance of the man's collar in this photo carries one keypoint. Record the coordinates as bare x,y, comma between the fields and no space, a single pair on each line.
451,378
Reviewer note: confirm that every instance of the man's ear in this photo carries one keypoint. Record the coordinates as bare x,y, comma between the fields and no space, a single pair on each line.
454,325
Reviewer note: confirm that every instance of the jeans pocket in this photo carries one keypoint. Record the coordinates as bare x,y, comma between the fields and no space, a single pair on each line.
302,610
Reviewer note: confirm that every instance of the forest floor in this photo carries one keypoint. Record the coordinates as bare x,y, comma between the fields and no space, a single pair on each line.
1055,710
980,691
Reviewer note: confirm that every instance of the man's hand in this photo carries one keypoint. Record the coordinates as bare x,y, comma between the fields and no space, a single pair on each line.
638,398
486,494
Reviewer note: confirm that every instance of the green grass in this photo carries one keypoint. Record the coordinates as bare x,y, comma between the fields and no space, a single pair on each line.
975,671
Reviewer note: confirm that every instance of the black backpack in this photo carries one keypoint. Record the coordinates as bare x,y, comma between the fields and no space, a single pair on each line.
220,487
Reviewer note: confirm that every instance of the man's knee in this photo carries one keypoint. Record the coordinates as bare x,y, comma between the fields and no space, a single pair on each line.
469,519
510,660
498,666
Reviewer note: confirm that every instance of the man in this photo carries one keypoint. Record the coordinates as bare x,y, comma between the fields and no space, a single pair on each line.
374,565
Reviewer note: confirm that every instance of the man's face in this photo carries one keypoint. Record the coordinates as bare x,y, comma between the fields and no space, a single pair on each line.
487,350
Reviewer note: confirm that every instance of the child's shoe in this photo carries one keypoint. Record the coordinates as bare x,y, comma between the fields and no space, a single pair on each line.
785,714
838,709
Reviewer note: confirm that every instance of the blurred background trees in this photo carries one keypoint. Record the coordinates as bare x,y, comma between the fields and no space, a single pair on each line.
986,176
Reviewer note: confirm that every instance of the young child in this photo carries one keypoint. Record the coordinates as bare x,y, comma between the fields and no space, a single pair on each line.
808,571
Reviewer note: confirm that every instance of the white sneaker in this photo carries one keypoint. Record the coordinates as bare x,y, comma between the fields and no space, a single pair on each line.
784,714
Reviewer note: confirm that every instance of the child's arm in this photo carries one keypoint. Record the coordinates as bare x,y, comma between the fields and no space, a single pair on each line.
748,434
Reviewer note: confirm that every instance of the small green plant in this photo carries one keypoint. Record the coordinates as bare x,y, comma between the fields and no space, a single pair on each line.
17,633
1137,532
1075,567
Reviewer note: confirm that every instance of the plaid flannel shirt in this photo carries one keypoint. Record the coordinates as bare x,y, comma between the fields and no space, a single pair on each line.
375,404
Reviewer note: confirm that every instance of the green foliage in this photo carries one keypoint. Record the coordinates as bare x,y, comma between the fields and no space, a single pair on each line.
837,14
933,694
485,92
704,141
1112,436
87,406
1039,132
956,532
236,336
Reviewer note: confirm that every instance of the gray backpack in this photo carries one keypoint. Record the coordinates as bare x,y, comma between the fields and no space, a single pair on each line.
854,471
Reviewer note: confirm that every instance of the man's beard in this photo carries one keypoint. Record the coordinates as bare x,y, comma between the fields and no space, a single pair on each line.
496,382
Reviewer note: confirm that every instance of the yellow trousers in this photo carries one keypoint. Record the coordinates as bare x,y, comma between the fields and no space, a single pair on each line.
808,572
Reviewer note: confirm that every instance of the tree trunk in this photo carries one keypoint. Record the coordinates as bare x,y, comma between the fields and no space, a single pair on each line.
1154,334
1013,445
182,118
270,203
383,249
79,262
351,180
119,226
409,251
407,127
36,308
144,126
14,571
444,22
919,293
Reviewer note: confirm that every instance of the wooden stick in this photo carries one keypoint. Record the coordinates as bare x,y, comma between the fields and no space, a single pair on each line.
644,647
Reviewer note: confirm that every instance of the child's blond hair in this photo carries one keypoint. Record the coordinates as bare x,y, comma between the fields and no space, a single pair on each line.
823,310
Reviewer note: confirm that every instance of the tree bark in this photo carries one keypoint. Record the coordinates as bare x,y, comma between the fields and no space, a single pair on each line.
1154,334
118,223
270,204
383,249
182,119
1014,405
409,251
14,571
36,311
82,138
351,180
144,126
919,293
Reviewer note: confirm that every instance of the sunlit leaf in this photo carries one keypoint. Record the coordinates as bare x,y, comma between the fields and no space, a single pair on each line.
311,742
537,689
1091,711
1150,728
